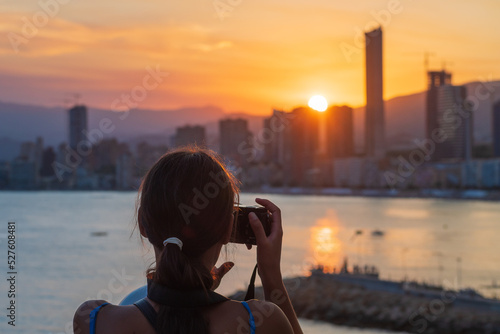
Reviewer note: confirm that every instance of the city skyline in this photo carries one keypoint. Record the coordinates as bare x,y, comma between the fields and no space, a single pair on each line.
234,63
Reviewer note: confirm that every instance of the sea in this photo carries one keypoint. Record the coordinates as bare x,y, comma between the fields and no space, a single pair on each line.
75,246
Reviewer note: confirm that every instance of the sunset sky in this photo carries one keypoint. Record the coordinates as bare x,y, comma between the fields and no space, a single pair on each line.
262,54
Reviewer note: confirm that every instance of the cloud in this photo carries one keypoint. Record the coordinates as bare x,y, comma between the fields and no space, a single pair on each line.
211,47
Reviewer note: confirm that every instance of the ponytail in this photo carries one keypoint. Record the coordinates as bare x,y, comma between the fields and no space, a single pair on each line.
179,272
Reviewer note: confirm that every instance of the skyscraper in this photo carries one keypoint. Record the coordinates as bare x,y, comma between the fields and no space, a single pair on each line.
448,115
275,131
435,79
339,132
374,117
235,140
78,127
190,135
496,129
301,147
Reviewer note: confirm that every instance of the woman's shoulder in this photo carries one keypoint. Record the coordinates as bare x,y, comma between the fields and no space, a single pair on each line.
268,317
110,316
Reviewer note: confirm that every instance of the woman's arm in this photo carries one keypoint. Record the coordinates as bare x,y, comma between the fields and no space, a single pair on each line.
269,260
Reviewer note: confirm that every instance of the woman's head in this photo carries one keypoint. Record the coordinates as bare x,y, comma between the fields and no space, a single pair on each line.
187,194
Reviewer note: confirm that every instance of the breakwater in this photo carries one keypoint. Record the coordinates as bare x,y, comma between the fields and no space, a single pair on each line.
338,301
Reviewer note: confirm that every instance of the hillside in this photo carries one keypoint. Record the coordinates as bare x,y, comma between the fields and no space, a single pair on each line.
405,119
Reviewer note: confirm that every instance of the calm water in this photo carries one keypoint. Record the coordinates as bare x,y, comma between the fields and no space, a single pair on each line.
60,264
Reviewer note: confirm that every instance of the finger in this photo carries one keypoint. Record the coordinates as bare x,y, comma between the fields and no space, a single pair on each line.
223,269
257,227
276,226
273,208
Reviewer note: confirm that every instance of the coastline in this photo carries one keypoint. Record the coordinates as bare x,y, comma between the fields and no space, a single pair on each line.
452,194
455,194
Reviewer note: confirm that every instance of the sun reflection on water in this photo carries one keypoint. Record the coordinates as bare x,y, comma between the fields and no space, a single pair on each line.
325,245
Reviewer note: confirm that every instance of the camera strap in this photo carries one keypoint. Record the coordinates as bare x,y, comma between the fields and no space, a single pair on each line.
251,286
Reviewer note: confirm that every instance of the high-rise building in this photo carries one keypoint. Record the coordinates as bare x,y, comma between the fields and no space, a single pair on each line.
38,158
449,119
339,132
28,161
274,137
105,155
301,163
496,129
236,141
124,171
374,112
190,135
435,79
78,127
292,144
27,151
48,158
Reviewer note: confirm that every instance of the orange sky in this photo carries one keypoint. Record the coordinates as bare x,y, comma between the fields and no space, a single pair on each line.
263,54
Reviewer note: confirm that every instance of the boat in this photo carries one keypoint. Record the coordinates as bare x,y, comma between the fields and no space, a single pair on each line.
99,234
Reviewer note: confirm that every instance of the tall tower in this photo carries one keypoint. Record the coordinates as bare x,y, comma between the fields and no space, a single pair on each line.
77,126
374,117
435,79
449,116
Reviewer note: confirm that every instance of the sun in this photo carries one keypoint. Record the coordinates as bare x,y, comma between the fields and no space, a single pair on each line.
318,103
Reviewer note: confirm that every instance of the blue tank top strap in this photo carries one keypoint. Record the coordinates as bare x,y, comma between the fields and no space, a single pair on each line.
93,317
148,311
252,320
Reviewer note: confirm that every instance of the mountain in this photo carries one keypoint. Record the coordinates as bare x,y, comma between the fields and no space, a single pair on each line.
20,123
405,121
405,116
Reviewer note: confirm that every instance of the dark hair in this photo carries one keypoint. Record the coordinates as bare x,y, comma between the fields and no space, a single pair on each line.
187,194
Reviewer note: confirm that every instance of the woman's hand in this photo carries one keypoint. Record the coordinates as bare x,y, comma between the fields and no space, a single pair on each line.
269,258
268,247
218,273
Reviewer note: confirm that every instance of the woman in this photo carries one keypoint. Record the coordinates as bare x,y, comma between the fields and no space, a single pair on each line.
185,210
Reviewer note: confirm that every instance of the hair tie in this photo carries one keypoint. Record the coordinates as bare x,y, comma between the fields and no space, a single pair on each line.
173,240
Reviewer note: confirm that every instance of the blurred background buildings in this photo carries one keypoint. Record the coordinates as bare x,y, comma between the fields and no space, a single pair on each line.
299,148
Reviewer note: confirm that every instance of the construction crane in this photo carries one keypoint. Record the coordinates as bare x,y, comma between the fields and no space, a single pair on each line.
427,55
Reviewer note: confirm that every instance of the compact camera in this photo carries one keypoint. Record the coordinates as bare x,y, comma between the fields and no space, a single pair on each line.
242,231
